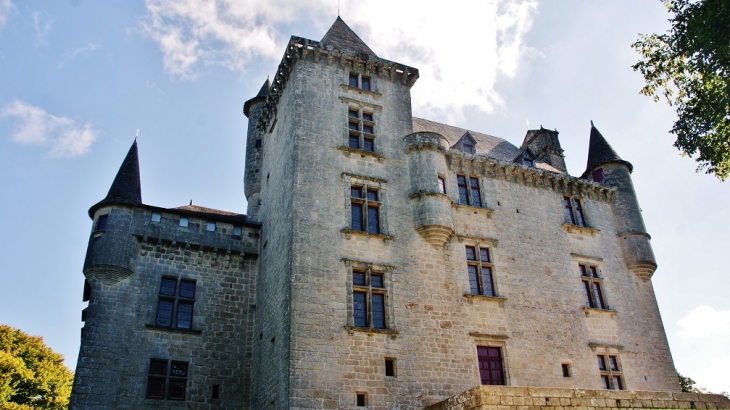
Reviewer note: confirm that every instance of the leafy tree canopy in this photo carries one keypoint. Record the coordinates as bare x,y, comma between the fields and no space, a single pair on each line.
32,376
690,67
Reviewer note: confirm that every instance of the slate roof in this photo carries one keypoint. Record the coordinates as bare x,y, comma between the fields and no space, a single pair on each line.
487,145
204,210
126,188
341,36
600,152
261,96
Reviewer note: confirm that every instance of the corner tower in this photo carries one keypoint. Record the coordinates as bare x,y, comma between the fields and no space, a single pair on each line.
606,167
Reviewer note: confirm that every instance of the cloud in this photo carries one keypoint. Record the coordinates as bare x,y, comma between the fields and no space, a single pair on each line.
86,49
701,347
704,322
230,33
6,7
42,27
455,75
61,135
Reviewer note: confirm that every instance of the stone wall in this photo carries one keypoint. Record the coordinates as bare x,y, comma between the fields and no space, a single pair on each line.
120,335
531,398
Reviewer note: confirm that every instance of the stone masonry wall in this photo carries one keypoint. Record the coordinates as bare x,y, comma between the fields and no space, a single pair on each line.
120,336
524,398
539,319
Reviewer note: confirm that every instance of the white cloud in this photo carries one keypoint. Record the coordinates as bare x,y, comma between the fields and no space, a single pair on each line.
42,27
85,49
6,7
230,33
701,347
193,34
61,135
704,322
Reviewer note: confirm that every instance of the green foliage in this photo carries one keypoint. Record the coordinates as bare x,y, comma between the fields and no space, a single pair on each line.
687,384
32,376
690,67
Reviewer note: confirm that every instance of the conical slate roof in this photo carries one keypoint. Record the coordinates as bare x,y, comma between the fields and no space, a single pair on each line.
341,36
261,96
126,188
600,152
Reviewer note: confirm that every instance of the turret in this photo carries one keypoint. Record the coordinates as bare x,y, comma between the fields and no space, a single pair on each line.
112,249
254,151
606,167
428,168
544,146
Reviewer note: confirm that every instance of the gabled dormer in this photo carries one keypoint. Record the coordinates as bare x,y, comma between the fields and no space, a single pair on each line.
544,147
526,158
466,144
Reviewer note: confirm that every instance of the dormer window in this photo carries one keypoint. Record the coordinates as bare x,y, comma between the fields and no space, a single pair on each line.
597,175
468,148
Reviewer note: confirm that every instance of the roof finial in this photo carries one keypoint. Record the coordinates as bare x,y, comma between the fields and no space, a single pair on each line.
136,135
191,202
338,8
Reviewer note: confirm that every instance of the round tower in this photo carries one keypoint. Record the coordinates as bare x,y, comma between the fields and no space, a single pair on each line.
254,151
112,249
431,205
606,167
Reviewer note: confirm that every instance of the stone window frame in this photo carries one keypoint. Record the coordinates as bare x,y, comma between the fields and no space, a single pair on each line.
480,265
184,222
169,373
573,211
592,284
380,185
156,217
469,191
610,375
176,299
369,268
361,128
492,340
101,223
391,368
441,180
360,81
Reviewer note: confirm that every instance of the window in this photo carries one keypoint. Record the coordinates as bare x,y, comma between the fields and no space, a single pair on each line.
156,217
167,379
368,299
468,148
359,81
479,267
365,209
390,367
361,399
597,175
361,130
258,143
237,231
101,223
566,369
610,372
469,192
175,303
573,211
210,226
184,221
442,184
592,287
490,365
216,392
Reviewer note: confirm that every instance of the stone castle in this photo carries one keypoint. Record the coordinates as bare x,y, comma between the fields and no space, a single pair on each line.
385,261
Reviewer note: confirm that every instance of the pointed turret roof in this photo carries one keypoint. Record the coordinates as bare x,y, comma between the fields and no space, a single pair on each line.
126,188
600,152
261,96
341,36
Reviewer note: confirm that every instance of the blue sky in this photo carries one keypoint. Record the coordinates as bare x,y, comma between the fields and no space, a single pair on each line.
78,78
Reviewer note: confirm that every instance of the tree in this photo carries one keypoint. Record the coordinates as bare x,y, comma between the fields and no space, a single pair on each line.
687,384
32,376
690,67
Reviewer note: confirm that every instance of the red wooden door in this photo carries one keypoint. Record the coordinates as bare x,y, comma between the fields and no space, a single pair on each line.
490,365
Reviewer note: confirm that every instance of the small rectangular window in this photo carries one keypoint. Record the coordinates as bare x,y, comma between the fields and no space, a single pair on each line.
258,143
353,80
365,82
237,231
210,226
442,184
184,221
101,223
389,367
361,400
216,392
566,369
156,217
597,176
